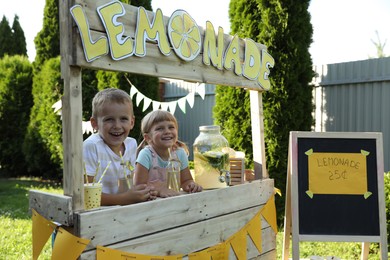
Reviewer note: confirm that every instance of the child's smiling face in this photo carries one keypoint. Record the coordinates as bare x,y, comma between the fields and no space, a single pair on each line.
114,123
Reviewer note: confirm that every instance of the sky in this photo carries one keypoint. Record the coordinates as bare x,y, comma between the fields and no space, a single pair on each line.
343,30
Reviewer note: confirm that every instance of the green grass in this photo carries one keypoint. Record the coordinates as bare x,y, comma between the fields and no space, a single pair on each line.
16,227
15,219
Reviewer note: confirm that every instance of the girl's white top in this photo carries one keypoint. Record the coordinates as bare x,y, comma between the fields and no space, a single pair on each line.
95,150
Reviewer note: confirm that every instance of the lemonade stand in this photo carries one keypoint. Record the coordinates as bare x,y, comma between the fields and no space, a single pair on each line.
236,222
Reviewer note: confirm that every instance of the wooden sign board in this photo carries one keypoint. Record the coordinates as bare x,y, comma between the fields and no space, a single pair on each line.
335,189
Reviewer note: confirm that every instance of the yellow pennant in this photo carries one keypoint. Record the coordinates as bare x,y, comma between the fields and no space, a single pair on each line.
269,213
238,243
68,246
254,231
105,253
41,231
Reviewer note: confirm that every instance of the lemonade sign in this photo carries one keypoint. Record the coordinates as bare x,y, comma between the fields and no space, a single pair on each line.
181,34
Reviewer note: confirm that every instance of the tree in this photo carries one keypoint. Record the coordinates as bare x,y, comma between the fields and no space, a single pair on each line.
284,26
379,46
43,141
15,104
47,41
5,38
18,38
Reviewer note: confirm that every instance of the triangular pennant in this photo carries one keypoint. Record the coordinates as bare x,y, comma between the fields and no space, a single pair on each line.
133,91
201,255
105,253
87,127
156,105
172,106
269,213
57,106
147,102
182,103
191,99
164,106
201,89
238,243
139,98
41,231
220,251
68,246
254,231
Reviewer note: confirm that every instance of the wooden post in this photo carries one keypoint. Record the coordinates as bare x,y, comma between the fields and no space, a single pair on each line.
71,112
258,135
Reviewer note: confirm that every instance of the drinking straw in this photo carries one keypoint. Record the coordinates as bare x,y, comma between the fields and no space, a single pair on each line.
105,170
124,169
96,172
85,173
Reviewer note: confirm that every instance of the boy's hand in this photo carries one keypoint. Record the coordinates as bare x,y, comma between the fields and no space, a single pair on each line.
192,187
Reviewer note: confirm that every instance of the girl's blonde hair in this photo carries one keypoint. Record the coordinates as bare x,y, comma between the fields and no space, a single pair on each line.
110,95
156,117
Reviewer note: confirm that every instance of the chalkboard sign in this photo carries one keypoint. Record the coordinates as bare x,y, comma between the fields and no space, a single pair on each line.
335,188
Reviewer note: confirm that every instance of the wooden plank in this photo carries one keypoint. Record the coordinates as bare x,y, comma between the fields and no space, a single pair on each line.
71,112
197,236
258,135
51,206
154,62
162,214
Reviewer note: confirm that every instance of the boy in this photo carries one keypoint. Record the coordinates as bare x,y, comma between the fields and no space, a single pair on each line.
110,146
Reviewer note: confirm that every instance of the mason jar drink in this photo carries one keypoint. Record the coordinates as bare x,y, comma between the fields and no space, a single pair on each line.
211,158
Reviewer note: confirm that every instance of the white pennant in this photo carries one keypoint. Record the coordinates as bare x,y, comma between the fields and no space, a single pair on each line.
201,89
191,99
164,106
172,106
156,105
182,103
133,91
139,98
147,102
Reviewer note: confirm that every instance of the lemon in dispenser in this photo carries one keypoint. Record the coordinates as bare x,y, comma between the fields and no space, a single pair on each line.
211,158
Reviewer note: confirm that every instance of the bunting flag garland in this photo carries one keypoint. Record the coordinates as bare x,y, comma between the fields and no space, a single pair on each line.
167,106
68,246
269,213
105,253
41,231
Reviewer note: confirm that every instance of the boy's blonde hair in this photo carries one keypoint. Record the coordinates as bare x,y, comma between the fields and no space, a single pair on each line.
110,95
156,117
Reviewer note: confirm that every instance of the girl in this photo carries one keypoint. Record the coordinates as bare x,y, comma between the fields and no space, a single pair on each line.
159,129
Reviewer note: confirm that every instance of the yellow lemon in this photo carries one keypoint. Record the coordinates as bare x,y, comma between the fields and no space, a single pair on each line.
184,35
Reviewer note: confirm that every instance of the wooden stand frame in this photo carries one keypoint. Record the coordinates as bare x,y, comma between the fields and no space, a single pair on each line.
68,209
291,221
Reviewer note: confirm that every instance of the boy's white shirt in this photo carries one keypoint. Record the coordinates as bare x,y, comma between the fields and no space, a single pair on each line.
95,150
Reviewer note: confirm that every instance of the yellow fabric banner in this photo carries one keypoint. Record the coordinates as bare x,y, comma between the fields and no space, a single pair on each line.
105,253
41,231
68,246
269,213
254,231
238,243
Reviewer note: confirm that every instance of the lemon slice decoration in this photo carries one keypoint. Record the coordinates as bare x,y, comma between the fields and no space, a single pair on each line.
184,35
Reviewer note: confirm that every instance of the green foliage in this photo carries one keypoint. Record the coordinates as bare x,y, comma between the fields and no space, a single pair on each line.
47,42
285,28
5,38
15,220
43,142
18,38
15,104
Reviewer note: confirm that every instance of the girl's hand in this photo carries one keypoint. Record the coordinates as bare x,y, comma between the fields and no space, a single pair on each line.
192,187
141,193
165,193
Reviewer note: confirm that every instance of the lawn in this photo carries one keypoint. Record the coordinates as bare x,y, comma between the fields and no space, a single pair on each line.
16,228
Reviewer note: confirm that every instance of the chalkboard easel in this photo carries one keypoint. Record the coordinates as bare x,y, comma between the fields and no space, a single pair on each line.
335,190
